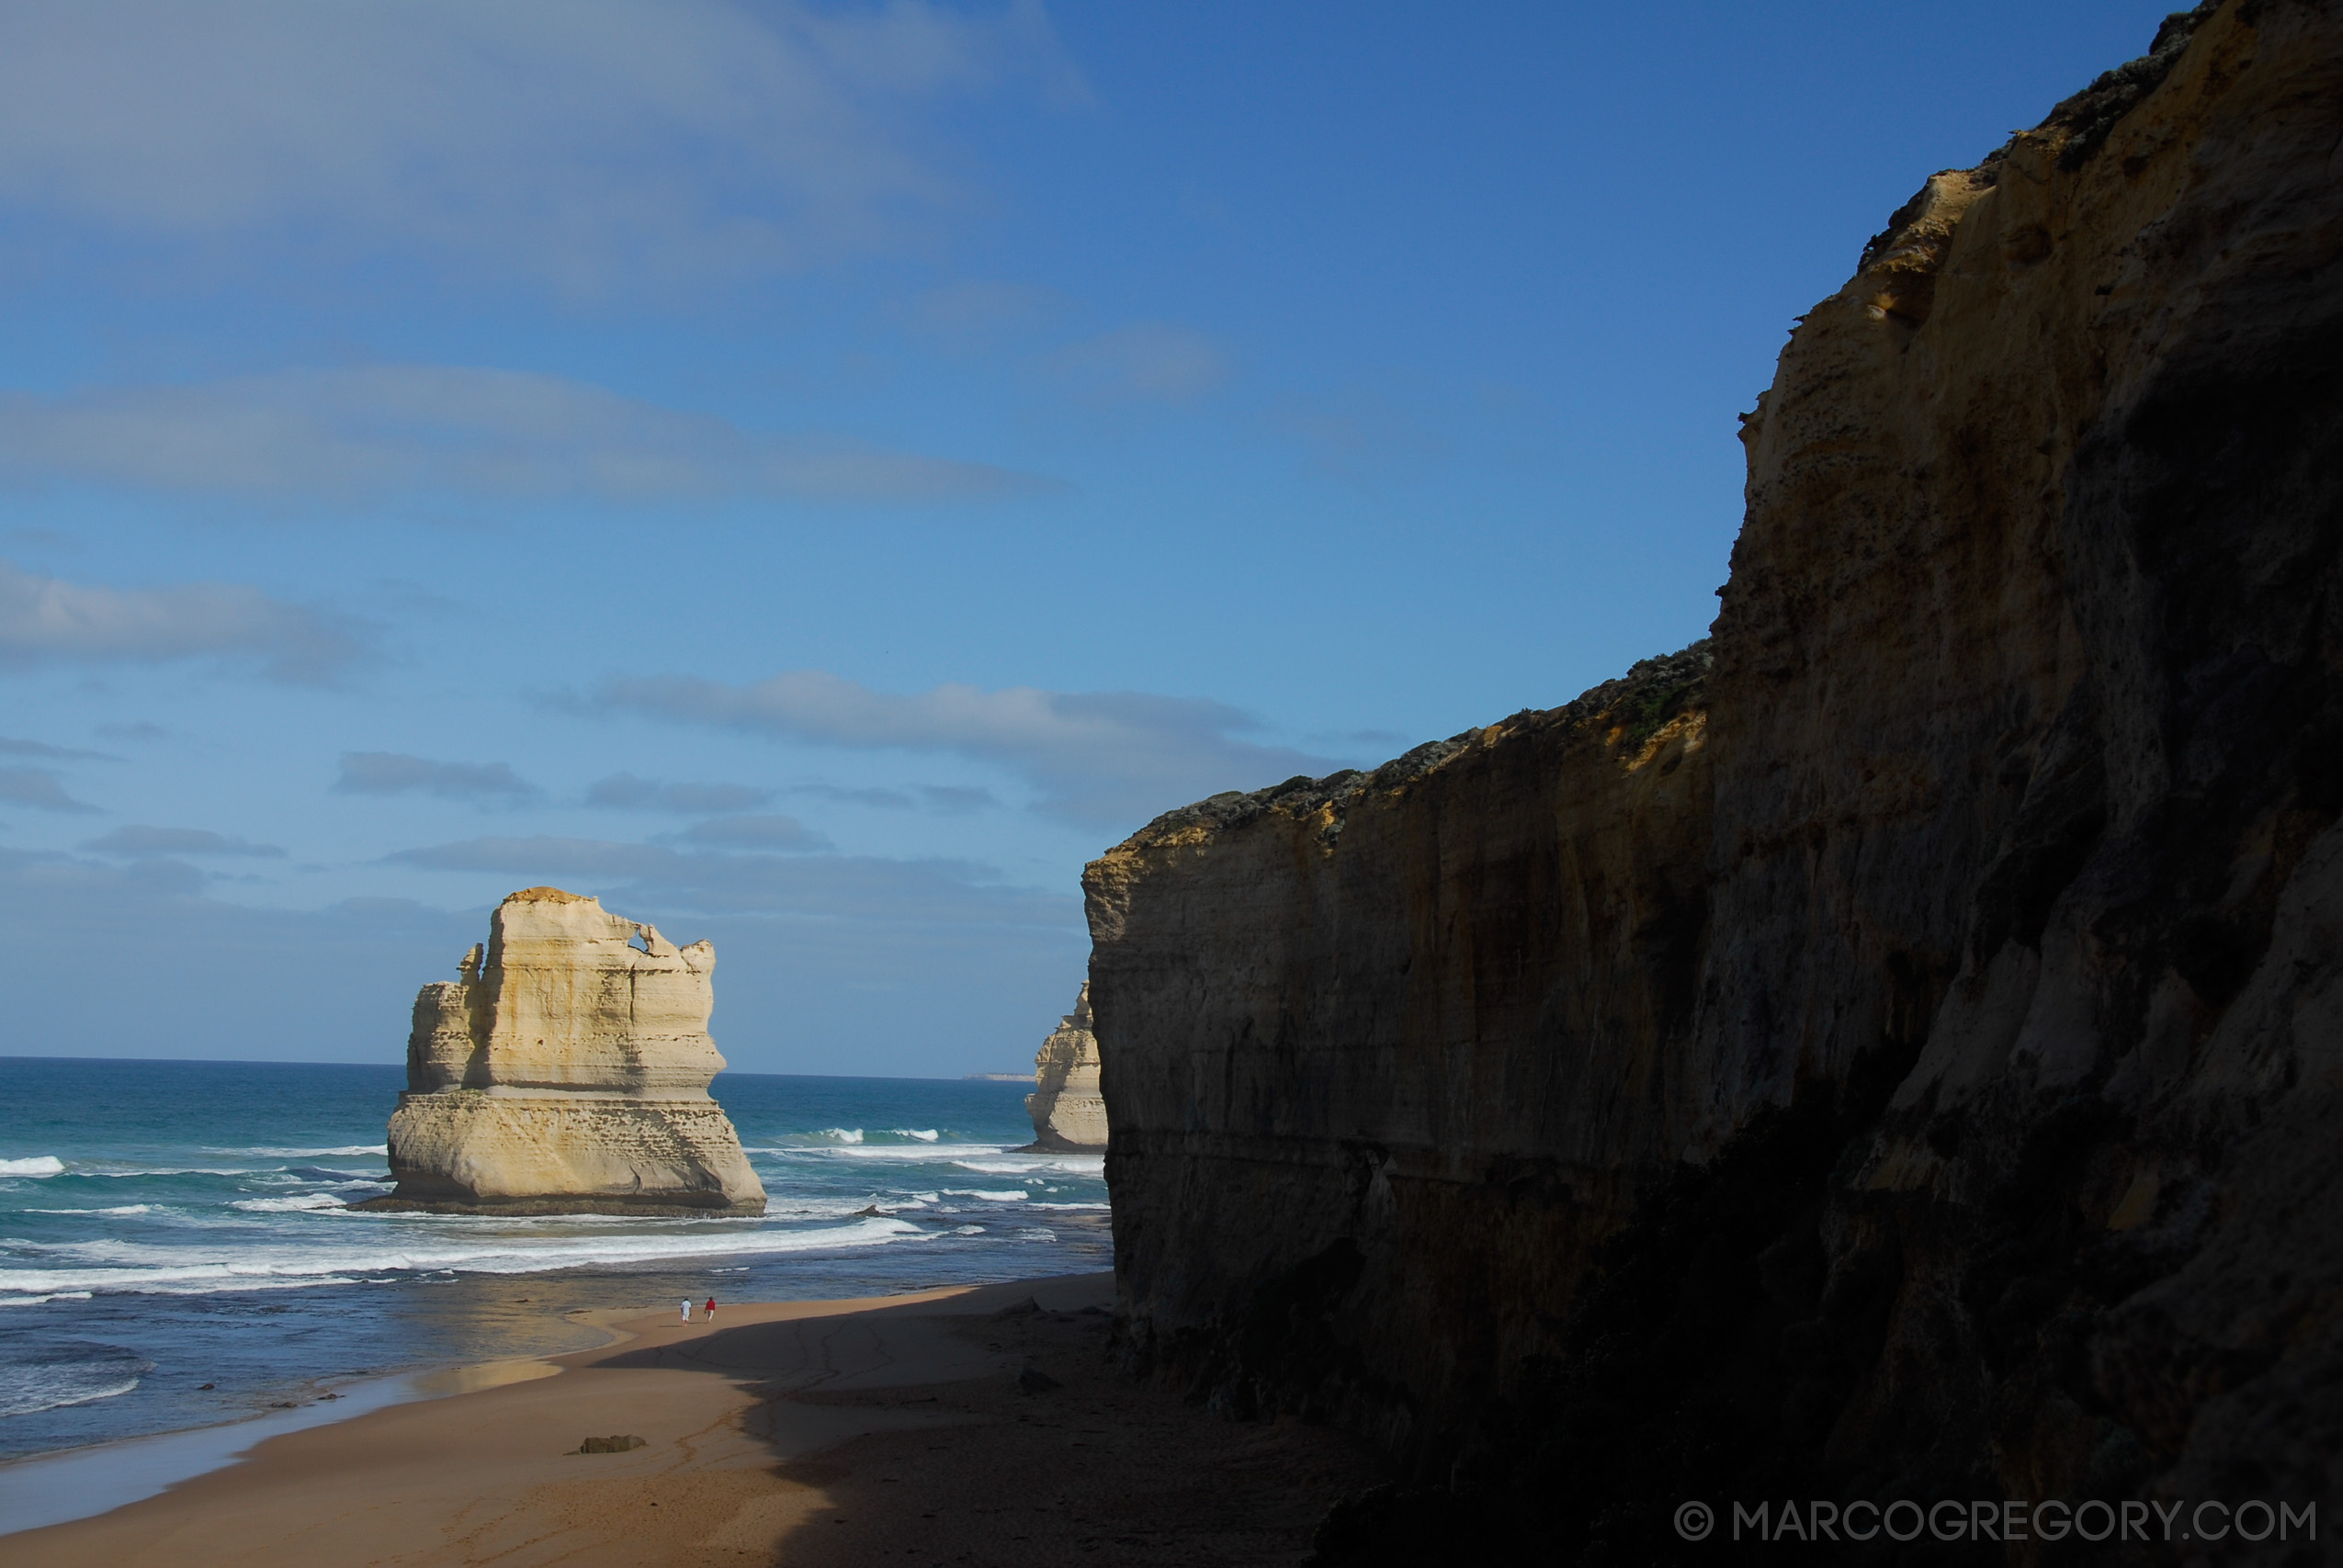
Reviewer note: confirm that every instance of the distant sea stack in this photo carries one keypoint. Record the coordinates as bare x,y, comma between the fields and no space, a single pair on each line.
1893,1049
1065,1110
566,1072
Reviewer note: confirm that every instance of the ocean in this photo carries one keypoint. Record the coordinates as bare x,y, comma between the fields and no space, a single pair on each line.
176,1248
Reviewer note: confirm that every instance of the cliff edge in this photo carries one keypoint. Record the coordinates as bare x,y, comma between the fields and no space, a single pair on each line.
566,1071
1892,1049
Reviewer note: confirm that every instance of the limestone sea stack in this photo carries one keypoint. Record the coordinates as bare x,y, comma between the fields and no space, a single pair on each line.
1066,1109
566,1072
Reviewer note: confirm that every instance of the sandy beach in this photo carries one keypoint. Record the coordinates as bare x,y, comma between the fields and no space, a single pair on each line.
898,1429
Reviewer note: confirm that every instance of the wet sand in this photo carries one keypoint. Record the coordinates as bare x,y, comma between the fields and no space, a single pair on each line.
816,1433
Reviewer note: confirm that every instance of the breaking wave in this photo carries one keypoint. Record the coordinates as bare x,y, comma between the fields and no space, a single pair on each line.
117,1265
74,1371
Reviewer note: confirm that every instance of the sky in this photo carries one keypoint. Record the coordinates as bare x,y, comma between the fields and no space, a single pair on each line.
816,475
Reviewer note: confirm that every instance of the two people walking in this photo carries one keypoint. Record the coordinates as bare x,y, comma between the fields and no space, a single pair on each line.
687,1309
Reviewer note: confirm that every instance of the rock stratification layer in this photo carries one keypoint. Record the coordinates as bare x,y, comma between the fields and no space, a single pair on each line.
567,1071
1065,1106
1895,1048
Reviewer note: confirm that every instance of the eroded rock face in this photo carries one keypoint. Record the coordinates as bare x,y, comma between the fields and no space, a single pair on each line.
1065,1105
1893,1050
567,1070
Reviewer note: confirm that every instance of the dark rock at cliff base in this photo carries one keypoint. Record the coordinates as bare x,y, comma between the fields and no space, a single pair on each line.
1893,1049
609,1445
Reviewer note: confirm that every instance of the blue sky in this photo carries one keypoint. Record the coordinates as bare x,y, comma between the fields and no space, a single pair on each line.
816,475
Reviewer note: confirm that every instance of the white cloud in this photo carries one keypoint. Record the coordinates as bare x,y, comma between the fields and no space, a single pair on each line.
137,842
1146,362
37,787
394,772
591,144
359,433
1097,757
45,619
828,885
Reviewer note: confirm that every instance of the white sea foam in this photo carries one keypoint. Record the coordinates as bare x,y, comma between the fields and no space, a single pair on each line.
915,1153
39,1165
842,1134
793,1208
1007,1195
306,1201
929,1137
123,1209
1035,1165
76,1372
306,1154
202,1288
115,1265
1099,1208
183,1170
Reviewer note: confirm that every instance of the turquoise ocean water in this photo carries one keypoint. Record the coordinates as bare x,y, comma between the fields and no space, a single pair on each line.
168,1224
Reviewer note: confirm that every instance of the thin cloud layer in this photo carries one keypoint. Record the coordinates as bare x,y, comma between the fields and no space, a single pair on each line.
39,788
833,886
590,145
944,800
769,833
1146,362
46,619
1096,757
625,792
139,841
395,772
11,746
363,434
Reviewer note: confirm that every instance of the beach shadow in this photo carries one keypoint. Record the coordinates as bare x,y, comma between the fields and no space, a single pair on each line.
1050,1456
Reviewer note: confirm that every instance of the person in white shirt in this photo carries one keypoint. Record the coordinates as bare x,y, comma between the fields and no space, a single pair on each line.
687,1309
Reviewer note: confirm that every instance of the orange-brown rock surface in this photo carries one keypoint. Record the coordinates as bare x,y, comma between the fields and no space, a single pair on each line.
1894,1048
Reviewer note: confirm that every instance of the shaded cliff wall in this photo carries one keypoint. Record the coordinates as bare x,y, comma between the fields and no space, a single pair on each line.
1904,1054
1338,1018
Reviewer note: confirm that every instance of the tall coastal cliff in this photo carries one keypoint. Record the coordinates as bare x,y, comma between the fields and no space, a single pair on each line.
566,1071
1895,1047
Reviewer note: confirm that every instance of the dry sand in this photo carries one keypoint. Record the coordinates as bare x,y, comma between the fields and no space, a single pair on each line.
810,1433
